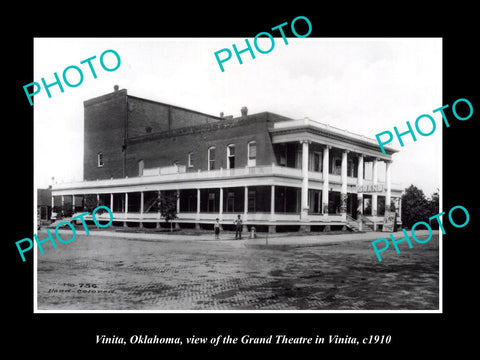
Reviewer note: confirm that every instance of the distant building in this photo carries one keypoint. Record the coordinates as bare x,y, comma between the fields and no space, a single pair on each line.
277,172
44,201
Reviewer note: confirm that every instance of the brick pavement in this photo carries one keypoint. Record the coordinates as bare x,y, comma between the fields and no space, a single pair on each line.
178,272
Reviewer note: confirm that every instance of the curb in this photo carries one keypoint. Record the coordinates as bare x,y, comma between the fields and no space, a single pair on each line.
316,239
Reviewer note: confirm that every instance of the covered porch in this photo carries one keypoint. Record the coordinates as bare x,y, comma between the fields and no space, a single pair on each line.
258,205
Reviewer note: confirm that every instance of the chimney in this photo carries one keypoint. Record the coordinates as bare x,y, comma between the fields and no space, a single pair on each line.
244,111
115,88
221,115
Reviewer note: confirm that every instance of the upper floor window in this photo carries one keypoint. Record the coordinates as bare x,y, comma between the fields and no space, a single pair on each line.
231,156
99,159
337,166
190,160
352,168
140,167
282,161
211,158
315,161
298,158
252,154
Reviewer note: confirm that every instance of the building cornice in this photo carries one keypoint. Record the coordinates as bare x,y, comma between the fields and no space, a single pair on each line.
196,129
265,175
346,137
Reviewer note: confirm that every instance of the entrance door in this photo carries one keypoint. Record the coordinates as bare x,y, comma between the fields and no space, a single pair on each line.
211,203
352,205
251,200
230,202
314,201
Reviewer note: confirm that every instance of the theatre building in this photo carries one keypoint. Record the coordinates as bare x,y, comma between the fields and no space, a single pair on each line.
278,173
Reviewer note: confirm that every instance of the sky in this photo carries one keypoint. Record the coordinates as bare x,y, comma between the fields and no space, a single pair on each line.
363,85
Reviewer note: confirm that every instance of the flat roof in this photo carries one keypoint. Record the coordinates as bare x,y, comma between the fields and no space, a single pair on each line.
308,123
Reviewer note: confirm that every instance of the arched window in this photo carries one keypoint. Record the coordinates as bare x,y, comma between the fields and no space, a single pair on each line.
231,156
252,154
211,158
140,167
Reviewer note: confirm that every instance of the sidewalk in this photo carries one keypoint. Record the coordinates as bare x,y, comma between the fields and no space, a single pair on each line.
261,240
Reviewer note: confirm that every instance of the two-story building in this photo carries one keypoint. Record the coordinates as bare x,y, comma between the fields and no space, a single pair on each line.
277,173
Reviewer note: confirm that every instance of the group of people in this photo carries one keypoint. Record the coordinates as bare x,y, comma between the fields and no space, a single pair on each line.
238,228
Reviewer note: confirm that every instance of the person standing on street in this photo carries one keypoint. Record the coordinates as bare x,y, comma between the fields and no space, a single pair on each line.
217,229
238,227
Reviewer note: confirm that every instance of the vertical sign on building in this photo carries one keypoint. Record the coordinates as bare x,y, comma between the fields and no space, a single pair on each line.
389,221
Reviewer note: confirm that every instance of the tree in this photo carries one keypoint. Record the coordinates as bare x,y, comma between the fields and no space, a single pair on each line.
434,203
415,207
90,202
168,206
434,208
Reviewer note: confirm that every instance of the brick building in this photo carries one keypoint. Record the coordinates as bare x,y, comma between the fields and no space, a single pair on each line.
269,168
44,210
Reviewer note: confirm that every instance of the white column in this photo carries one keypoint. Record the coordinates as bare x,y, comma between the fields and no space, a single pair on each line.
63,203
375,181
111,202
344,171
141,208
245,210
359,184
360,168
272,203
73,203
178,201
126,209
198,204
388,195
326,185
197,224
343,192
304,210
220,206
177,225
245,203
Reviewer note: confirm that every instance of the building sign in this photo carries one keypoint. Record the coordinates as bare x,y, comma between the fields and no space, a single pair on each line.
389,221
372,188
